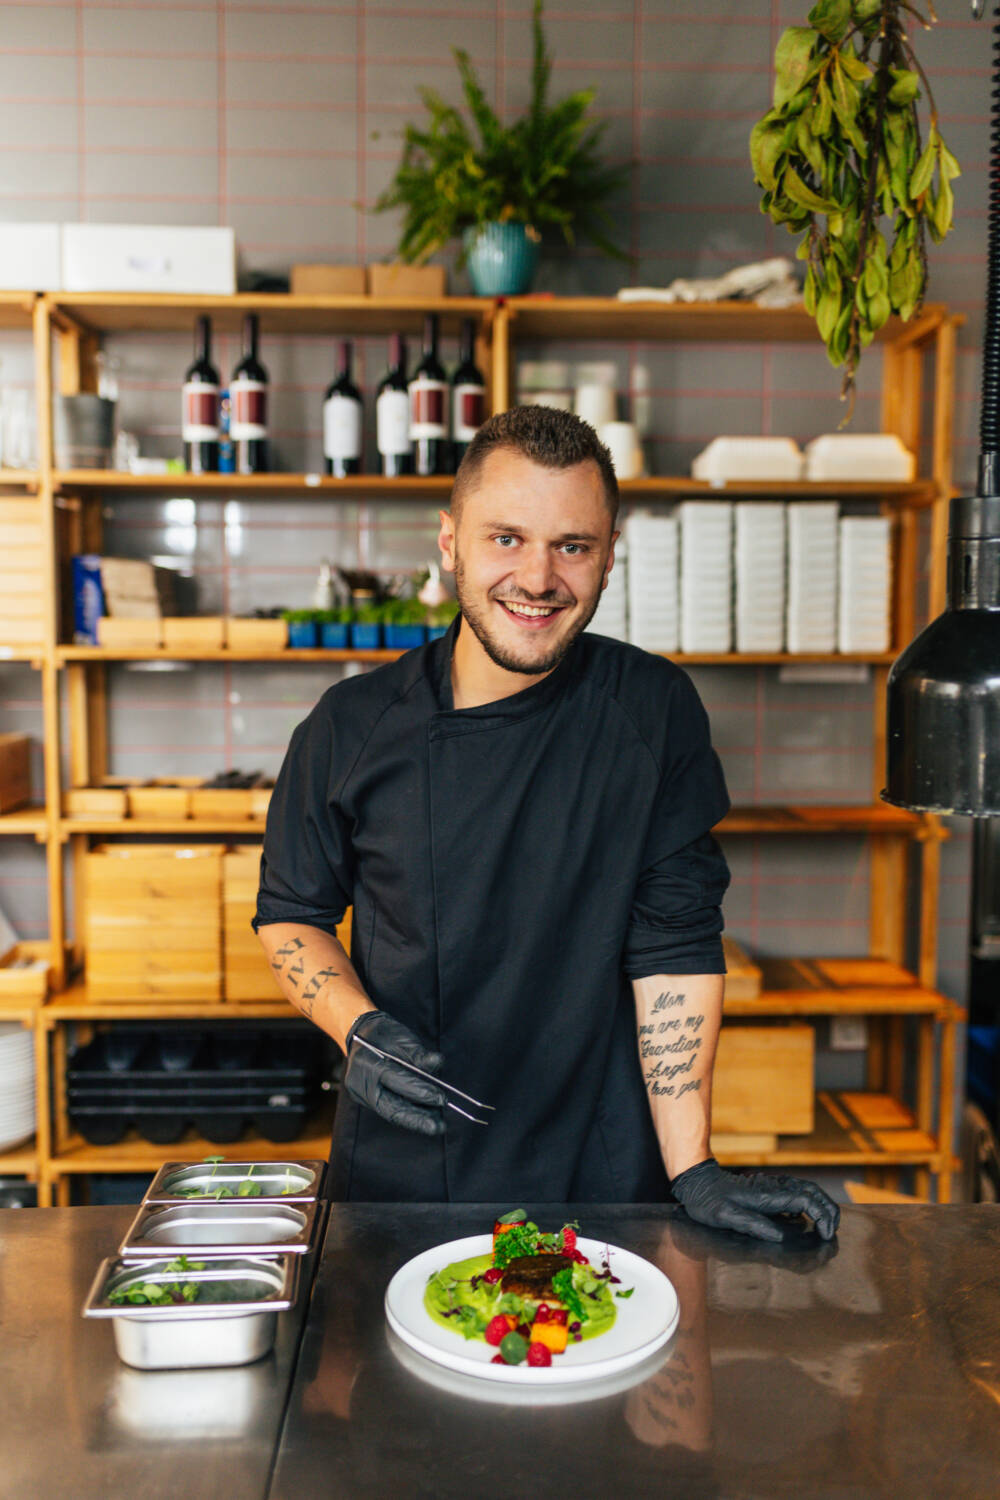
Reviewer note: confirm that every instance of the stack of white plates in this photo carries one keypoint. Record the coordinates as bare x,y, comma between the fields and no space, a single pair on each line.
760,576
17,1084
611,617
865,574
811,623
652,582
706,575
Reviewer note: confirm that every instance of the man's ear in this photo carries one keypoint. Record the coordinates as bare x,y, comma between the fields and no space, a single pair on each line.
446,541
611,559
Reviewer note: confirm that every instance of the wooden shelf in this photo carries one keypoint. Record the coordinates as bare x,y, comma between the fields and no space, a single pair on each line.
136,1155
279,313
576,318
406,487
66,654
33,655
851,1130
24,820
22,1161
73,1004
17,310
20,478
840,986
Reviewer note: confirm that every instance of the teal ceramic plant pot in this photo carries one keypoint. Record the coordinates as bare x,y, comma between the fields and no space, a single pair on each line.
502,259
333,637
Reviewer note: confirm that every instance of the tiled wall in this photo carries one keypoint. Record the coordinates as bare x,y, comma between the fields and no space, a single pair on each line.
279,119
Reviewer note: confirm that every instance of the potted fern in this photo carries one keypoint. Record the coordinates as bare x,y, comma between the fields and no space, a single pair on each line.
497,186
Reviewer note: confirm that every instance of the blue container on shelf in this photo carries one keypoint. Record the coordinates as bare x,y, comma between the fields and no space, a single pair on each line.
333,637
366,637
302,634
435,632
404,637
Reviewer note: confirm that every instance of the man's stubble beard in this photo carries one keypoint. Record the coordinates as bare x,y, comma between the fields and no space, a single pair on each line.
495,651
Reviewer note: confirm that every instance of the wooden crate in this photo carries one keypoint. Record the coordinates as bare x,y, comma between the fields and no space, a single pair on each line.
123,633
25,974
193,632
95,802
255,635
744,980
153,922
248,975
394,279
163,798
260,801
15,771
328,281
763,1081
216,802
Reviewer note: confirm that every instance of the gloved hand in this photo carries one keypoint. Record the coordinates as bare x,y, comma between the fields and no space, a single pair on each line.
740,1200
399,1096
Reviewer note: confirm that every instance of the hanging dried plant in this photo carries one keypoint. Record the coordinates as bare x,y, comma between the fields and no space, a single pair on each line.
840,158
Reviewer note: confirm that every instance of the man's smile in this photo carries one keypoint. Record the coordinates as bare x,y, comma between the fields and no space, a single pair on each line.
531,616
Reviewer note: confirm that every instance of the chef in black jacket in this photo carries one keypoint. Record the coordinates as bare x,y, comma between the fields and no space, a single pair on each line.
520,816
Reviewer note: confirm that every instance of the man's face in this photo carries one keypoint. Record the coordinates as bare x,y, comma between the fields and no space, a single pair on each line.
531,552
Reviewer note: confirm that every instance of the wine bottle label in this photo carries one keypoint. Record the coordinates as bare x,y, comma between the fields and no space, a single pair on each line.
468,412
341,427
248,412
200,421
392,422
428,408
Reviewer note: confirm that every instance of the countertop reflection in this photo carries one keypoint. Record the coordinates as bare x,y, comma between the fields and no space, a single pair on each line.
869,1367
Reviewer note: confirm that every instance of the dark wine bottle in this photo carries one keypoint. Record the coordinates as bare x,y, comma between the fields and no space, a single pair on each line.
429,407
343,418
468,396
248,411
392,413
200,420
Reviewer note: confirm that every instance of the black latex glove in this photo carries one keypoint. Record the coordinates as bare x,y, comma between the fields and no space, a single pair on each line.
399,1096
741,1200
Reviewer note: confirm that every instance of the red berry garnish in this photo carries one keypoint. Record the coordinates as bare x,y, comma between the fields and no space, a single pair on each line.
543,1313
493,1275
524,1330
539,1354
568,1240
580,1258
496,1329
498,1359
558,1315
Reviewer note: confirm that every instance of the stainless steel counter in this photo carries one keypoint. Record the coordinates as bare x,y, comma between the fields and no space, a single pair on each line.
868,1368
78,1423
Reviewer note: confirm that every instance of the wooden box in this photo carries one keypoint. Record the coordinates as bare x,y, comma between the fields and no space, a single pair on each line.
153,922
25,974
414,282
123,632
16,630
95,802
217,802
193,632
763,1082
15,771
744,979
260,801
328,281
255,635
248,975
162,799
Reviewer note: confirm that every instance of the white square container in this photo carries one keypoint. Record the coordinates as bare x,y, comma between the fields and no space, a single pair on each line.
149,258
30,257
737,458
858,457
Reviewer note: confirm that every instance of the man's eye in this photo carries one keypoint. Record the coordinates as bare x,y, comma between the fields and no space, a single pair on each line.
574,548
503,540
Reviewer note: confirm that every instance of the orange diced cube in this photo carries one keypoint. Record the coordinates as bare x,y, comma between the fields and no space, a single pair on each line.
553,1335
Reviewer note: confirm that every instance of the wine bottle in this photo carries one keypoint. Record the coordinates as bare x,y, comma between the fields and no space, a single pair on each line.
248,412
200,420
392,413
429,407
343,416
468,396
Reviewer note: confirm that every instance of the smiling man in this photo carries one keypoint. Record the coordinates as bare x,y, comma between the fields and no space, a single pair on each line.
520,815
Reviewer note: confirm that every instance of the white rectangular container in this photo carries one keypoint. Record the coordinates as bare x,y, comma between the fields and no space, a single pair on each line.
30,257
149,258
865,584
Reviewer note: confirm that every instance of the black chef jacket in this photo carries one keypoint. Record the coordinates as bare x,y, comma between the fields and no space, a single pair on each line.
511,868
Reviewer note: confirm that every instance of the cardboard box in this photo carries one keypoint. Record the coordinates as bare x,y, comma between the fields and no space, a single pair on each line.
15,771
763,1081
255,635
148,258
328,281
193,632
128,633
31,257
413,282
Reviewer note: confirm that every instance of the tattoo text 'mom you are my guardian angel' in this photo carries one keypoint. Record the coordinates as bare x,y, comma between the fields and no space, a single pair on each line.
669,1047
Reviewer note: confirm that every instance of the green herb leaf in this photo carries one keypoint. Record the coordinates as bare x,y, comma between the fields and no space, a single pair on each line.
626,1294
792,62
562,1285
514,1348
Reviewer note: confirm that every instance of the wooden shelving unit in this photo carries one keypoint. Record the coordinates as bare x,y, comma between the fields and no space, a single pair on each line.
890,1124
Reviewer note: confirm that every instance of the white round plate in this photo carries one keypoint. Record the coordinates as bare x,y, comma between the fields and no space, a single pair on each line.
644,1323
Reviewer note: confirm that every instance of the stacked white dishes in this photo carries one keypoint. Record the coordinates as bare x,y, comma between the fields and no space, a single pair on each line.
748,458
760,576
706,575
811,623
865,588
860,456
612,616
652,582
17,1084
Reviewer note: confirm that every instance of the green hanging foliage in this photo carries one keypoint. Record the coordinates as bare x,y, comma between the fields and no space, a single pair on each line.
842,162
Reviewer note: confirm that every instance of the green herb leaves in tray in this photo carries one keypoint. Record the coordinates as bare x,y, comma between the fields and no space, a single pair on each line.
841,151
185,1291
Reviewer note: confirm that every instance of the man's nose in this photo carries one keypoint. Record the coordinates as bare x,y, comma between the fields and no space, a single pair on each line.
536,573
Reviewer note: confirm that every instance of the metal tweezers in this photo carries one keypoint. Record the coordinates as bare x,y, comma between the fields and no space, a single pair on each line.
431,1078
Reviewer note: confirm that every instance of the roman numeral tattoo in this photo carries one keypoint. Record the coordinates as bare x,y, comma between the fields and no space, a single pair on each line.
307,1000
285,952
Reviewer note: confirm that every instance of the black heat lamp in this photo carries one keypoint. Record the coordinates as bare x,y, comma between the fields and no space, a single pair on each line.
944,691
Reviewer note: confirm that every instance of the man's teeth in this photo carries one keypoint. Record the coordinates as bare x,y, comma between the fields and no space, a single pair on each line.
529,609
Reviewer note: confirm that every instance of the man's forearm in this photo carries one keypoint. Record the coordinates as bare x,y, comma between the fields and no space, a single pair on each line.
316,975
678,1017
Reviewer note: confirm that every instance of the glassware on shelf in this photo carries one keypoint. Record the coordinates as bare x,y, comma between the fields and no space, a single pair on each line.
17,428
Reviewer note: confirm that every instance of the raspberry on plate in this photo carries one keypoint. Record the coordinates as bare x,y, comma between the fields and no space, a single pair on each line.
496,1329
498,1359
493,1275
539,1354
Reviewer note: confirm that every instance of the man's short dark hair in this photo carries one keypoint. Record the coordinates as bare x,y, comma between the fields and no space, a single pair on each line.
547,436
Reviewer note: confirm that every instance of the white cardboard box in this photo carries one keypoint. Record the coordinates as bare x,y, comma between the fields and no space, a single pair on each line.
148,258
30,257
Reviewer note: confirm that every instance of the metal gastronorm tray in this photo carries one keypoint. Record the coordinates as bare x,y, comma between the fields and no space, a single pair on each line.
179,1181
234,1226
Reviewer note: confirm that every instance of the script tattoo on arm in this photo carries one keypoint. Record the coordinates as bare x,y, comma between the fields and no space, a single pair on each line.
669,1048
308,997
